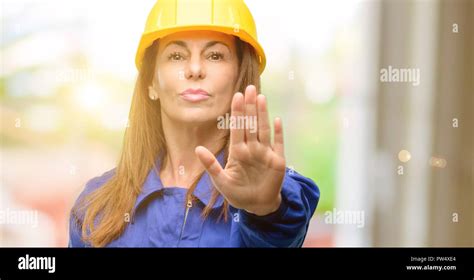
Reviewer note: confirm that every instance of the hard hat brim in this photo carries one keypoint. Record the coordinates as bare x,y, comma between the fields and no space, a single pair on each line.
147,40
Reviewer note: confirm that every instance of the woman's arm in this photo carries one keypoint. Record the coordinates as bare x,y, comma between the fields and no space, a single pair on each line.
275,204
76,215
288,225
74,234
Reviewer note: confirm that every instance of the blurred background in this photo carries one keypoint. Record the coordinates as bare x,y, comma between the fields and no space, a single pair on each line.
393,159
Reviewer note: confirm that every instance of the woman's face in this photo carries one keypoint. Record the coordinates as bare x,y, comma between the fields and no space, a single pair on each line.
195,75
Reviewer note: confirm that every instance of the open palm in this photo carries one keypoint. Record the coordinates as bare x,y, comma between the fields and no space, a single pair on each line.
253,176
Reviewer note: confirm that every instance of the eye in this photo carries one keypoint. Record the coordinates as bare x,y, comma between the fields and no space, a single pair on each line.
215,56
175,56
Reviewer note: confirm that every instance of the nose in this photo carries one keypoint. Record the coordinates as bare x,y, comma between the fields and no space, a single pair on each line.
194,69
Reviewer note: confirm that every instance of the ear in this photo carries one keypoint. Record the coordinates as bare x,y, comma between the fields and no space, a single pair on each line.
153,93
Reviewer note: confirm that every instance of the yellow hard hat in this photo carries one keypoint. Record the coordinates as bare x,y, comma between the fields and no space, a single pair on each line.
228,16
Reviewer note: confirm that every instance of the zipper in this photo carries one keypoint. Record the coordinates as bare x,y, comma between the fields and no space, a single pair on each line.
189,204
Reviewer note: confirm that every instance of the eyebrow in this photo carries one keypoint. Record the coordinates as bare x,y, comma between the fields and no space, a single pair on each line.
208,44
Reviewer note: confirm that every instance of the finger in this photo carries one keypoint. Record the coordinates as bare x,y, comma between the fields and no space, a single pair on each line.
263,124
278,141
237,133
251,113
212,166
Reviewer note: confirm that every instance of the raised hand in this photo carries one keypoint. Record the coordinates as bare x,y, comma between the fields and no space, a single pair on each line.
253,176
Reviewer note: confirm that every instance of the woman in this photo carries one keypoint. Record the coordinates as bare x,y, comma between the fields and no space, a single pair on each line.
184,178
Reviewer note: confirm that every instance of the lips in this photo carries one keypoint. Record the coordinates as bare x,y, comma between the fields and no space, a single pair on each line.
195,95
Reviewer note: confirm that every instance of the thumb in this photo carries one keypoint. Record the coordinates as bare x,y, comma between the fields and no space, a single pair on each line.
212,166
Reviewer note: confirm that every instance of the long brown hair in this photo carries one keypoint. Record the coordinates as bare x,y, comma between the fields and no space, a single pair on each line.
104,209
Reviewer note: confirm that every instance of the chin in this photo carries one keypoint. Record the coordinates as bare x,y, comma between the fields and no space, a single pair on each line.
196,115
